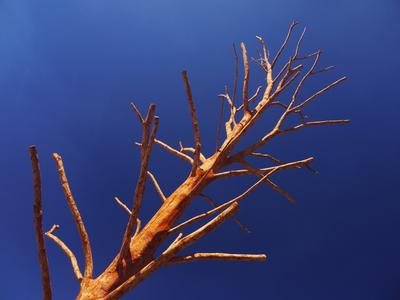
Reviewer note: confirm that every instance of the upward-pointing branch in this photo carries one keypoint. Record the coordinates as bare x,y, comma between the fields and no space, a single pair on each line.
38,219
167,255
157,186
195,123
87,251
245,79
67,251
146,146
292,26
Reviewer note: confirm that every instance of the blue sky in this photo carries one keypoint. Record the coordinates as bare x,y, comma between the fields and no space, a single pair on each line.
68,72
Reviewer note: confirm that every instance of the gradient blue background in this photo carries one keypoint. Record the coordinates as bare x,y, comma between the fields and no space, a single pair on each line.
67,74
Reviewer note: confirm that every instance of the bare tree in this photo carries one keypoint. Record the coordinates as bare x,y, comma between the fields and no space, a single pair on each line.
136,258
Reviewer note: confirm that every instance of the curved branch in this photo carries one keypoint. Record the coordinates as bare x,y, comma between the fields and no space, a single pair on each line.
67,251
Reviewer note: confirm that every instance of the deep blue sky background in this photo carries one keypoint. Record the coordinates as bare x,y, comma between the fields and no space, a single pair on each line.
68,72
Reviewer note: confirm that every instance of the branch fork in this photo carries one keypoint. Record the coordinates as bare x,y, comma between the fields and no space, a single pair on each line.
137,257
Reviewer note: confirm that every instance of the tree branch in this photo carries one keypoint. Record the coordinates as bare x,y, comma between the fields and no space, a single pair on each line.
195,123
171,252
38,220
258,173
315,123
245,79
214,205
236,73
137,112
190,150
157,186
147,143
87,251
217,256
283,166
67,251
173,151
311,98
278,54
123,205
220,207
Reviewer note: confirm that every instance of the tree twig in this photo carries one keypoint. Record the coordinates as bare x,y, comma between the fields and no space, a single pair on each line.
87,251
123,205
157,186
245,79
278,54
213,205
195,123
217,256
171,252
67,251
147,143
38,220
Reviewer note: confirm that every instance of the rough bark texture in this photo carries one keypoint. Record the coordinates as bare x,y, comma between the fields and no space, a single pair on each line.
136,259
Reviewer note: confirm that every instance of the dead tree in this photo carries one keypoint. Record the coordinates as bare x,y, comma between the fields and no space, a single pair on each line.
136,258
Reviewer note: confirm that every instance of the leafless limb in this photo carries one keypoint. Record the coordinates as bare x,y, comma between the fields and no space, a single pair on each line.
87,250
292,26
214,205
123,205
274,169
220,207
315,123
157,186
236,73
325,69
252,98
320,92
296,52
245,79
67,251
260,174
191,150
38,219
231,123
217,256
266,155
138,256
268,67
219,125
148,137
173,151
195,123
171,252
137,112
